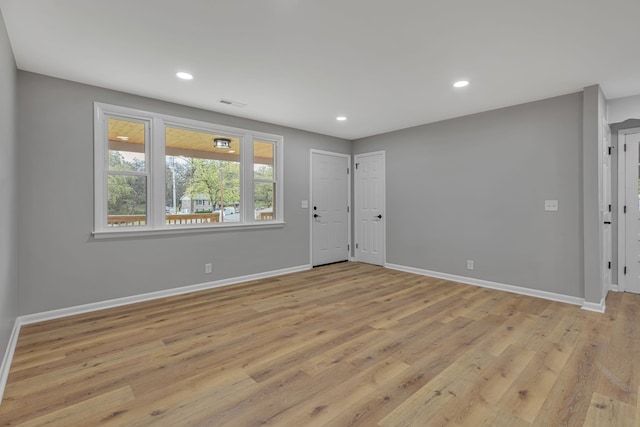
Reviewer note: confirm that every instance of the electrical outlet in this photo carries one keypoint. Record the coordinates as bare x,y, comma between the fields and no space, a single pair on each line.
207,268
551,205
469,264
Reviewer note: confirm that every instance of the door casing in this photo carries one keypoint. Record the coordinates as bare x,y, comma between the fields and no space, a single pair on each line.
604,196
622,200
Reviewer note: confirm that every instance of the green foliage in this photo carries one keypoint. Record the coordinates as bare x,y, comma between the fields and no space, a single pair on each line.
126,195
263,172
119,191
263,195
263,191
215,179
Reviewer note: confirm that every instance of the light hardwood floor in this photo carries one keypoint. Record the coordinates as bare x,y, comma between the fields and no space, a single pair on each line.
342,345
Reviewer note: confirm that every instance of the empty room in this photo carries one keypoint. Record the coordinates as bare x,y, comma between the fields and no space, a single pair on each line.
319,213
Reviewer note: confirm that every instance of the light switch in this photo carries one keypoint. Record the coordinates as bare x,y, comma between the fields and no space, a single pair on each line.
304,204
551,205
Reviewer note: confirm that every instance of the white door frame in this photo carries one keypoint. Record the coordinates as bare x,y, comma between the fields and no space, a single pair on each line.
384,202
310,209
605,192
622,179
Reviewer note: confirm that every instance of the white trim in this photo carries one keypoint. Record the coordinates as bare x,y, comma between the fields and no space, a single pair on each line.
99,191
491,285
592,306
614,288
86,308
8,356
349,208
622,197
621,222
186,229
605,197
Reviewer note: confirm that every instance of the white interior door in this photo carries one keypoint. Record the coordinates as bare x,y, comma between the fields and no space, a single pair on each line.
632,215
605,206
369,208
329,207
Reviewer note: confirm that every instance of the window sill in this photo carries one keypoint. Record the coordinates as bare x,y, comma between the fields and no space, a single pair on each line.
117,234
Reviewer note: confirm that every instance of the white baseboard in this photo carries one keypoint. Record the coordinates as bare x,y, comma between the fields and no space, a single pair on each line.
8,357
86,308
614,288
491,285
594,306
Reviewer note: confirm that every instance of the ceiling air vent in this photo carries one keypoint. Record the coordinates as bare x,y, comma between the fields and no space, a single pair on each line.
230,102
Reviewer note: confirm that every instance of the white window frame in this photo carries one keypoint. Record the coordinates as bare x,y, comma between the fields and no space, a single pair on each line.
275,166
155,125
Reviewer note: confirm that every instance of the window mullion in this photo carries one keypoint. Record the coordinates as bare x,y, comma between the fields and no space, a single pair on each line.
100,169
157,173
126,173
247,181
278,176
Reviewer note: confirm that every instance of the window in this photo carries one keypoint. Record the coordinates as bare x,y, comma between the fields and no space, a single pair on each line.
205,179
127,171
160,173
264,184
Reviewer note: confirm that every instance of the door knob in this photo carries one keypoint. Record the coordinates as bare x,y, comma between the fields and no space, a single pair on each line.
379,216
316,216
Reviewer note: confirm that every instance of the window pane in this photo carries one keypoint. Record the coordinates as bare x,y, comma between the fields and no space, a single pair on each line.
126,145
263,160
202,183
263,196
126,201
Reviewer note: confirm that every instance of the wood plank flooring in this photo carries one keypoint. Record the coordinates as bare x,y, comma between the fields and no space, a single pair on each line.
342,345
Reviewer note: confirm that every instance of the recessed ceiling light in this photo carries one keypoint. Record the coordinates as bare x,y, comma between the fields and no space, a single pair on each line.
184,76
123,138
461,83
341,118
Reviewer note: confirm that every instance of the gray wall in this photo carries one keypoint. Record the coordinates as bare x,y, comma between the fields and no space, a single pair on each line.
8,190
61,265
473,188
621,109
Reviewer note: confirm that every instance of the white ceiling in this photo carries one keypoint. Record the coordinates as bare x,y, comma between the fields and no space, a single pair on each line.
385,64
